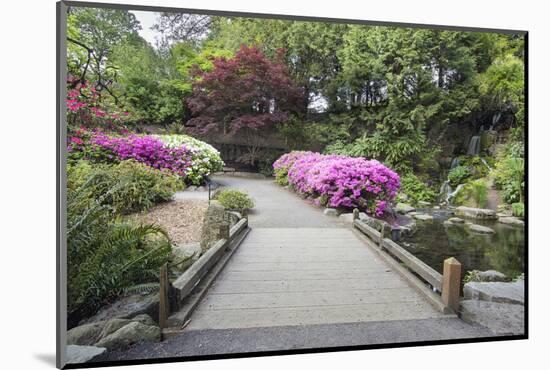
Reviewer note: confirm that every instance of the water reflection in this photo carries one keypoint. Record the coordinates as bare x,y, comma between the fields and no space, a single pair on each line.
503,251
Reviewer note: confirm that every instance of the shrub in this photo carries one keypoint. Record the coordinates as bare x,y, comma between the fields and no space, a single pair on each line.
416,190
104,254
459,175
235,200
148,150
342,181
187,157
518,209
205,159
509,177
127,186
283,164
479,192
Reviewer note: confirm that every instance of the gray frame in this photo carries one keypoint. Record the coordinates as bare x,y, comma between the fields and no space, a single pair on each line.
61,191
61,163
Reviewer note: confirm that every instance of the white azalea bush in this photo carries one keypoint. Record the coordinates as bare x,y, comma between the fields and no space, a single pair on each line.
205,158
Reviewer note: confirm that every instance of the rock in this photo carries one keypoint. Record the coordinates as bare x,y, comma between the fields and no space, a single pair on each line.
191,188
185,251
129,334
496,291
127,308
500,318
456,220
373,222
423,217
479,213
346,217
233,217
213,225
201,188
514,221
423,203
81,354
491,276
85,335
437,207
480,229
404,208
330,212
413,214
91,334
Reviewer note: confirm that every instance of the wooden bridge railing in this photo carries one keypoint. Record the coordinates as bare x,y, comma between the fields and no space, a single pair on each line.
172,295
448,284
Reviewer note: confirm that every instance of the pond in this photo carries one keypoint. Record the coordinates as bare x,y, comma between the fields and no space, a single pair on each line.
433,242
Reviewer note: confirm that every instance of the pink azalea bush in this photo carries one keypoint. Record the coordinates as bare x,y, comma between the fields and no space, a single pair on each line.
148,150
340,181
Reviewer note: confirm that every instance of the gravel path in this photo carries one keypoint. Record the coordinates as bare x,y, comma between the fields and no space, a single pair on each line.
276,206
212,342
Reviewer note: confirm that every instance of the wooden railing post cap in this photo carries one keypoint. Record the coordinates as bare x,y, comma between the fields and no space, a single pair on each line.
452,261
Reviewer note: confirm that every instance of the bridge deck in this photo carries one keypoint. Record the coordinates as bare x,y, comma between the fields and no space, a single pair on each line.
305,276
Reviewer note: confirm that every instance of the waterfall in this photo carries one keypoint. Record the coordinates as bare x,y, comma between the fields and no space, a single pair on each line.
455,163
485,163
496,117
453,193
474,146
445,190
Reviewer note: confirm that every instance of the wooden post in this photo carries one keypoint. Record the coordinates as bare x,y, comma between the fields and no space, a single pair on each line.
450,289
164,302
383,232
355,214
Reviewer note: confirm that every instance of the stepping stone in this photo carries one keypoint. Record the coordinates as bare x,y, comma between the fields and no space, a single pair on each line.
509,220
423,217
479,213
480,229
456,220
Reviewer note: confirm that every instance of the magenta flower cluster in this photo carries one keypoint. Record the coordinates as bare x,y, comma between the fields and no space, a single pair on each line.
148,150
341,181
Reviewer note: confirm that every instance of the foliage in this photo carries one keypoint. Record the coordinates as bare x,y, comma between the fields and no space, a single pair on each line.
86,108
148,150
472,275
339,181
191,159
247,91
479,192
283,164
235,200
509,177
503,82
416,190
104,254
518,209
205,159
459,175
126,187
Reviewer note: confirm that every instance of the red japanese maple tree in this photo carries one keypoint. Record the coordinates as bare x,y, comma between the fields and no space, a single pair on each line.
248,91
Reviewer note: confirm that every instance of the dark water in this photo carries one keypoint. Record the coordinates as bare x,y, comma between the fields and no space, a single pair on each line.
502,251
